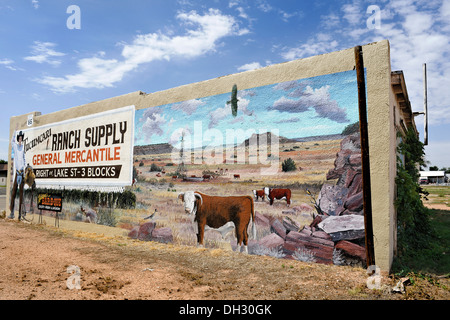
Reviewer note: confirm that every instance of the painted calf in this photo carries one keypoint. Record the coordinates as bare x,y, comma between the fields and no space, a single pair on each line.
216,211
278,194
258,194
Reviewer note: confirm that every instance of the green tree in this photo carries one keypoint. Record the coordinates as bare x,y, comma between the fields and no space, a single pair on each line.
413,221
288,165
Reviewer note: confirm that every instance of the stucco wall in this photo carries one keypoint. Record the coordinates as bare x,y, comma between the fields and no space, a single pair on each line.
382,137
382,144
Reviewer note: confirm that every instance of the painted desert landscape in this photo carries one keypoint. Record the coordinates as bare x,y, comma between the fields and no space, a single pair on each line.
293,147
159,182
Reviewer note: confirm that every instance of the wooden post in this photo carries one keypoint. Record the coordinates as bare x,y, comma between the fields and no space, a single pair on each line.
367,196
425,106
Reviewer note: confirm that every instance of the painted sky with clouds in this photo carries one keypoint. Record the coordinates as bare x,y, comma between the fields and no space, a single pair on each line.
315,106
126,46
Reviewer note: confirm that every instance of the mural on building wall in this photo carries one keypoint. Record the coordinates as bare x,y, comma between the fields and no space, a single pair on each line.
273,170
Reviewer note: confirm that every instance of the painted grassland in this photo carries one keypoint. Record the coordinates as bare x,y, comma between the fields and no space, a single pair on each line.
159,189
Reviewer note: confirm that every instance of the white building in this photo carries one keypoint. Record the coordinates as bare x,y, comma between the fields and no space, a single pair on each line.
433,176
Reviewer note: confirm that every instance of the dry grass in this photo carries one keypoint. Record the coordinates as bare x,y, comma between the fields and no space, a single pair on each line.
438,195
313,160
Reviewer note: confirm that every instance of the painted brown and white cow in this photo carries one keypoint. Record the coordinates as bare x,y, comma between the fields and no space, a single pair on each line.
258,194
216,211
278,194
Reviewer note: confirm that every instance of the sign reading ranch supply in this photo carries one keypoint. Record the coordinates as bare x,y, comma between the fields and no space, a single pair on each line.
94,150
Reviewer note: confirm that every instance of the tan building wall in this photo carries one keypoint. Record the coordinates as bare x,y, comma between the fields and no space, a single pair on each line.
381,108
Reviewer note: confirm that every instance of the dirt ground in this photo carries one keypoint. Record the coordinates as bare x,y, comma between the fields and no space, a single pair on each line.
34,262
438,206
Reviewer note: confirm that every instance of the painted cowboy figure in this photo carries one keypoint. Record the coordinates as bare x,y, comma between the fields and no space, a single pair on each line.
19,168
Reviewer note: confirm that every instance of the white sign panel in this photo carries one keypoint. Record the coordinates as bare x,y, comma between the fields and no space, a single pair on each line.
30,120
95,150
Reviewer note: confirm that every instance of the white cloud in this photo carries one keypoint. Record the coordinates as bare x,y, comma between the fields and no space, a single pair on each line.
233,3
417,23
264,6
352,13
417,32
188,107
250,66
242,13
331,20
285,16
202,37
418,35
242,32
185,3
43,52
6,62
182,132
152,121
445,11
290,120
35,3
308,98
319,44
9,64
217,115
243,104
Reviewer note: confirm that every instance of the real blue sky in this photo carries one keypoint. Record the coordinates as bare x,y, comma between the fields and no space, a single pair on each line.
126,46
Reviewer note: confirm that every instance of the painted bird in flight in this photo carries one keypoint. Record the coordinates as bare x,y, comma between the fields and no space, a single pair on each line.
234,101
